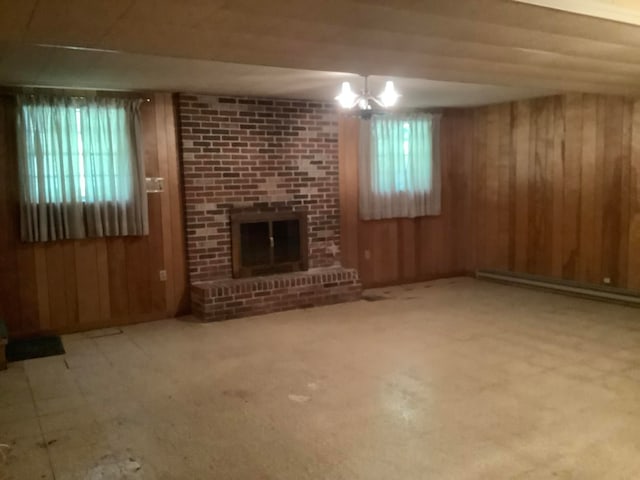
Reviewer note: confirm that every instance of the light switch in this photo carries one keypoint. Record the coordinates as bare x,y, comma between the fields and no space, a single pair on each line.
154,184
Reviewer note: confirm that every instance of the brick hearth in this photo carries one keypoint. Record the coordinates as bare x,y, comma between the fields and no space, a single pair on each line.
231,298
255,153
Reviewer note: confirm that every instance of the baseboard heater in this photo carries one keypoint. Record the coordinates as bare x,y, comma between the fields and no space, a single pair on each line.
595,292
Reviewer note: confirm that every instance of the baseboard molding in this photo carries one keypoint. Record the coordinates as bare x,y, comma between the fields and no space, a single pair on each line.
567,287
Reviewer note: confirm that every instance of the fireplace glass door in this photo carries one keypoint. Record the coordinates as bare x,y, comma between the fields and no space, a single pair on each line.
256,244
268,242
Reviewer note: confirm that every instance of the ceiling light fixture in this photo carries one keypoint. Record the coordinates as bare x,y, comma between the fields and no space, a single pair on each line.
364,101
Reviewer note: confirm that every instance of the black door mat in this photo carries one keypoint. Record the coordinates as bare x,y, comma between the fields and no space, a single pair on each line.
26,348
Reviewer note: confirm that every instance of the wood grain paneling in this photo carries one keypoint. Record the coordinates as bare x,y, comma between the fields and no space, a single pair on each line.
633,259
348,159
574,189
547,186
79,284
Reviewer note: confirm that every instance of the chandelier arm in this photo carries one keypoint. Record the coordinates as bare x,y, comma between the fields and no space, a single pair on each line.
378,101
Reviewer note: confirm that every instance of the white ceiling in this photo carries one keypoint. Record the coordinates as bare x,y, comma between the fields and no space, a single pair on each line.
458,48
78,68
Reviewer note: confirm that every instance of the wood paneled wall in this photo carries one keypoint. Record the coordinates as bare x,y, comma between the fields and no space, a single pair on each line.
405,250
549,186
75,285
557,188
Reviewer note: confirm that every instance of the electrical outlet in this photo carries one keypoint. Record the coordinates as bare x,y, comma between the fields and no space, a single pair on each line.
163,275
606,281
367,255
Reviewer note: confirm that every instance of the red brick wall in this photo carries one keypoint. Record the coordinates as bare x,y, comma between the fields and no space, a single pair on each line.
255,152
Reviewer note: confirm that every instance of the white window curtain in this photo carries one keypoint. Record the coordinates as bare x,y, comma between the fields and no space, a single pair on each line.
81,168
399,166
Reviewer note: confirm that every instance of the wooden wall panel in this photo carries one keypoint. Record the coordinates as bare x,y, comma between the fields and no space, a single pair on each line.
557,182
573,188
407,248
625,192
137,273
479,142
378,255
25,317
175,246
74,285
102,265
503,165
70,285
490,208
117,273
520,191
633,232
348,160
587,266
55,270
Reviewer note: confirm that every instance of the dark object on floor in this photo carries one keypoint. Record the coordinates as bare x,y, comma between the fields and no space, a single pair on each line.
26,348
370,297
4,338
103,332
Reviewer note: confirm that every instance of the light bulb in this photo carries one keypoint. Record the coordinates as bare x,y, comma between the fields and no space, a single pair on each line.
389,96
347,97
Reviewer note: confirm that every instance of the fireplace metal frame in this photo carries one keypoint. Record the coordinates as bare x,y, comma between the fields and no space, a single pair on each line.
237,219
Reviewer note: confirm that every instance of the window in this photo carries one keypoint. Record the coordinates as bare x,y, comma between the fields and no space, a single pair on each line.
81,172
399,167
77,153
401,155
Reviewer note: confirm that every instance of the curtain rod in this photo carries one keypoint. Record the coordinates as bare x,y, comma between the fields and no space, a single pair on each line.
74,93
144,99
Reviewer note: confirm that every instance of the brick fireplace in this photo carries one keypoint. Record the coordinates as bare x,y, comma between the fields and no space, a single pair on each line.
246,157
